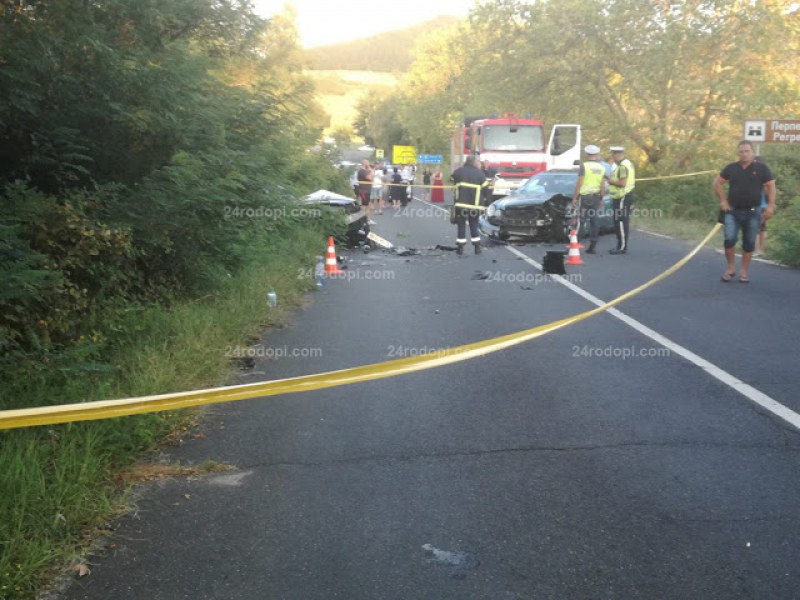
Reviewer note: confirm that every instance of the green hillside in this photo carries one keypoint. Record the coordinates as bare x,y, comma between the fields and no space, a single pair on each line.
338,92
389,51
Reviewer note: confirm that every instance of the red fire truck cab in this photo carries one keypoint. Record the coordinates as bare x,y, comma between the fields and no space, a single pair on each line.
515,147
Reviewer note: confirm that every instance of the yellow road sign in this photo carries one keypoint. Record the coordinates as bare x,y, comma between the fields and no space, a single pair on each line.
404,155
379,153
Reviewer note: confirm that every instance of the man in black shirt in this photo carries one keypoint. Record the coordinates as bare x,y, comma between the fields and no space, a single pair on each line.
742,207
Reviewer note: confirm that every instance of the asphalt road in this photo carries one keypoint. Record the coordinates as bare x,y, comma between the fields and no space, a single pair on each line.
593,462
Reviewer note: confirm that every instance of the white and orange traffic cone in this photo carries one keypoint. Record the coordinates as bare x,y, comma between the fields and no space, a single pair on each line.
574,255
331,266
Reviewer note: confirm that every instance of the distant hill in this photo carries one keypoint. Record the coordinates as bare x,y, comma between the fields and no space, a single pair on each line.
338,92
389,51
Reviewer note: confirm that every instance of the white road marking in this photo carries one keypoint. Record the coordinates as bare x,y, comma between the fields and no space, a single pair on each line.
661,235
748,391
735,383
441,208
379,240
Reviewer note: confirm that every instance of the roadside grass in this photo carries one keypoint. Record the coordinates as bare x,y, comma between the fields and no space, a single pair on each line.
683,229
60,483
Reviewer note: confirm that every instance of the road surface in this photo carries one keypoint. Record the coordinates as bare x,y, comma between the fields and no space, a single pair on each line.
594,462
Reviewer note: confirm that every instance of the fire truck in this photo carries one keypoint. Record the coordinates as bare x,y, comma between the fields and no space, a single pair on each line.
515,148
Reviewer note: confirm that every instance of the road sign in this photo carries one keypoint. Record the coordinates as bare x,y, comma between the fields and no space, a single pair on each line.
429,159
404,155
379,153
754,130
773,131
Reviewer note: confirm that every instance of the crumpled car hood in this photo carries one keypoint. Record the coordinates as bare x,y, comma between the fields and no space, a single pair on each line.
528,200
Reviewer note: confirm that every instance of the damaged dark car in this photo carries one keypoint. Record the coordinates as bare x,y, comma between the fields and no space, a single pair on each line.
540,210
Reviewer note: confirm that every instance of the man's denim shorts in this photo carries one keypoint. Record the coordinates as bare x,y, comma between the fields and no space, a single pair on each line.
749,221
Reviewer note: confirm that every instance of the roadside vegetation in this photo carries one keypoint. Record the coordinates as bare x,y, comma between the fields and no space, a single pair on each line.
150,157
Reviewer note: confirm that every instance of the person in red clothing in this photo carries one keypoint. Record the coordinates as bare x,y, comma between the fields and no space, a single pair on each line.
437,194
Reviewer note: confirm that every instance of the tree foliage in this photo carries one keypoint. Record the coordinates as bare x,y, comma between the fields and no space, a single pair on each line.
129,130
672,80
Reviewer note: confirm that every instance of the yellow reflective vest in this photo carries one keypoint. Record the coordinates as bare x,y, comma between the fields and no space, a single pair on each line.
470,182
593,174
617,191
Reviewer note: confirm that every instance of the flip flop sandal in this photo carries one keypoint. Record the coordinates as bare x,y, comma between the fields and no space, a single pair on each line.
744,280
727,277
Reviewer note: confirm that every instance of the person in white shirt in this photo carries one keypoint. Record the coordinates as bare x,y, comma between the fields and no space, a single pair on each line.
377,189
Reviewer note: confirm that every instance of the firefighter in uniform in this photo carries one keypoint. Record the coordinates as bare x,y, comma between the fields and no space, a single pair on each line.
590,188
470,182
621,184
490,173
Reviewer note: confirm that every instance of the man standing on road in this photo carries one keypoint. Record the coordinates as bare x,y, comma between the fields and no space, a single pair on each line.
742,208
365,188
469,181
590,188
621,182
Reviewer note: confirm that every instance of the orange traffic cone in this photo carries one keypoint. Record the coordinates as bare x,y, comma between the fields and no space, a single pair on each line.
574,256
331,266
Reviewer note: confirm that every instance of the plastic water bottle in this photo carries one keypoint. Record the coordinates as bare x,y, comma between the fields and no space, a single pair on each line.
272,298
319,272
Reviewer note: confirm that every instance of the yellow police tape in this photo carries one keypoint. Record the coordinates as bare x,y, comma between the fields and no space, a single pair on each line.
107,409
656,178
660,177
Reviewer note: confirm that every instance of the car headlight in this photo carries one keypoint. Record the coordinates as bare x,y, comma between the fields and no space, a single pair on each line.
491,210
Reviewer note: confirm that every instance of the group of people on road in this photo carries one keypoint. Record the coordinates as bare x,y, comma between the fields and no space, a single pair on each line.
432,185
587,199
375,185
747,206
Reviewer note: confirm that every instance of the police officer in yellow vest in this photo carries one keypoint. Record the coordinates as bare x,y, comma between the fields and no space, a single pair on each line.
470,182
621,184
589,191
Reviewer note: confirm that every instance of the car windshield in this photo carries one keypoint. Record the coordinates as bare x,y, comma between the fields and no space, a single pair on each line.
550,183
513,138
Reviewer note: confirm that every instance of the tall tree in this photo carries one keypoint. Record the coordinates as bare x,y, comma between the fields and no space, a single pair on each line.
671,79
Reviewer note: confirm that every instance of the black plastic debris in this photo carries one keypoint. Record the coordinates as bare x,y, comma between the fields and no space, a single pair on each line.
553,262
481,275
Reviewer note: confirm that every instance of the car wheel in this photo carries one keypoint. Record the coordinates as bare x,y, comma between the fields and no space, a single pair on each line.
558,235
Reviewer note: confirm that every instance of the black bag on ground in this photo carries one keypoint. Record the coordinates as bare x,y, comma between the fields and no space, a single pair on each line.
553,263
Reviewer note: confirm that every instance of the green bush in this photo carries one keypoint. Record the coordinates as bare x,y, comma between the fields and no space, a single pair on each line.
691,198
783,242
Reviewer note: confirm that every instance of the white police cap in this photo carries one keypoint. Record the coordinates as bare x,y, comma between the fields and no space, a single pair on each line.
591,149
617,149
